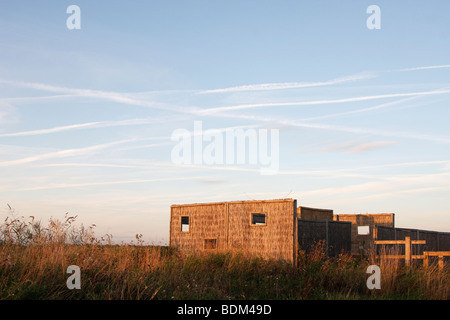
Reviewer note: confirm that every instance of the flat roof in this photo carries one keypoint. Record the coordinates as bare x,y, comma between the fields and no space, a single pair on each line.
364,214
318,209
235,202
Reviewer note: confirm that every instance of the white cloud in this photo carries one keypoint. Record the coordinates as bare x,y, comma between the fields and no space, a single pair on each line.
391,185
376,107
63,153
358,147
423,68
51,130
102,183
290,85
95,124
98,94
318,102
8,114
303,124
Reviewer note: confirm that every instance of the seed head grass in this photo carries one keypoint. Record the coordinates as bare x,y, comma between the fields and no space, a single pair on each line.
34,259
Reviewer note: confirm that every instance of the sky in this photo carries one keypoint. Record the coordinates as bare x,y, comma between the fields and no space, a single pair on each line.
90,117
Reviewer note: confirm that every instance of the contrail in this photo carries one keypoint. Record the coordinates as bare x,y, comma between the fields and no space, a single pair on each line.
289,85
423,68
316,102
102,183
63,153
106,95
94,124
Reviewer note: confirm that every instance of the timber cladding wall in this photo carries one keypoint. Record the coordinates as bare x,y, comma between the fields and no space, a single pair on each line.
264,228
274,239
363,243
204,222
314,213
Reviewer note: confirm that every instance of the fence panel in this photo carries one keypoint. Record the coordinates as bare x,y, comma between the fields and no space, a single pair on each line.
335,234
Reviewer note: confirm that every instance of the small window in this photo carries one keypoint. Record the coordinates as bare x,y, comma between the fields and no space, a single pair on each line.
363,230
184,224
210,243
259,218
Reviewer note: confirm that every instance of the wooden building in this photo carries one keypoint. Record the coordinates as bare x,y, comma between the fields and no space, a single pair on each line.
308,213
364,229
278,229
267,228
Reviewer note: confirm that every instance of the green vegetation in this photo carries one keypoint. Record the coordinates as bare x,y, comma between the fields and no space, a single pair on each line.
34,260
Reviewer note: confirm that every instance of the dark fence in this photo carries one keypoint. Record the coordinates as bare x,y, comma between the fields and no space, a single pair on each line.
435,241
337,235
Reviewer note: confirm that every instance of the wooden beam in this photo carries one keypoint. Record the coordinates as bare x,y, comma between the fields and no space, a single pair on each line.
389,241
400,256
437,253
400,241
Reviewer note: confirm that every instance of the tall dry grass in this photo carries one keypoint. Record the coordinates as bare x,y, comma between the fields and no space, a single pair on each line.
34,259
413,282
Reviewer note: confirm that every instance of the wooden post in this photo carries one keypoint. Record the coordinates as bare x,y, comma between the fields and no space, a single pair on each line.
408,251
326,237
441,262
425,259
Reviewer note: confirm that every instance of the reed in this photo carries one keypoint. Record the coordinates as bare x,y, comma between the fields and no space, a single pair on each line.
34,259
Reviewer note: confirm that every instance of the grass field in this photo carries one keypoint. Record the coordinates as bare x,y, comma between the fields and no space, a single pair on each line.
34,260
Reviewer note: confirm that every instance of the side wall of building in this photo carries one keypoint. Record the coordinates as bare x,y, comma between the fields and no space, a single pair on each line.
275,239
230,225
363,243
314,213
205,222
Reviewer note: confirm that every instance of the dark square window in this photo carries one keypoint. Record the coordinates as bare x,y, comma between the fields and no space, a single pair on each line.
259,218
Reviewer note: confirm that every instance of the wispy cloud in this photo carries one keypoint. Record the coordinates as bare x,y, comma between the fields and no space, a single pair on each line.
444,66
37,98
84,165
133,164
303,124
95,124
50,130
387,133
98,94
357,147
362,110
130,98
290,85
146,146
402,164
318,102
7,113
103,183
64,153
375,180
393,184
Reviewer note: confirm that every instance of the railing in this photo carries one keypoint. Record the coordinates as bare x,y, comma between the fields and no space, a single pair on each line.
408,256
407,243
440,254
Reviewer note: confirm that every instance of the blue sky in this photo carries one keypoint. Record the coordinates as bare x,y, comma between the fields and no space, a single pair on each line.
86,115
